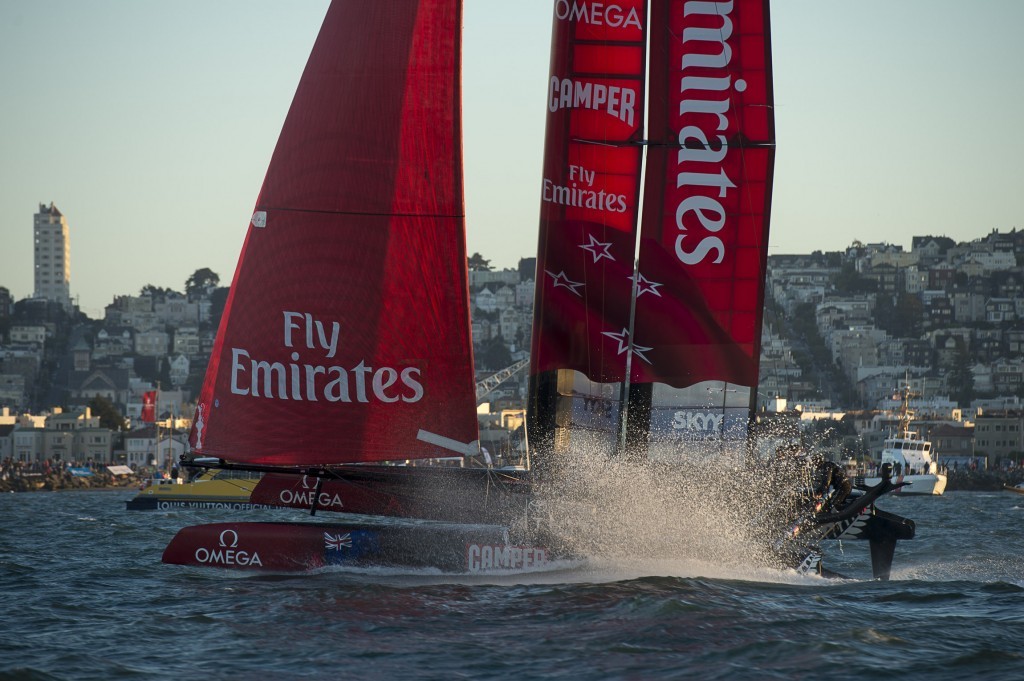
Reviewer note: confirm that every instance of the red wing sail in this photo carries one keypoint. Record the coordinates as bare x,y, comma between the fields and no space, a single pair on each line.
346,335
707,193
591,187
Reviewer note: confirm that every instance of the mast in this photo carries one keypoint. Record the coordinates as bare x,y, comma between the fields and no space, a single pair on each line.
156,424
588,218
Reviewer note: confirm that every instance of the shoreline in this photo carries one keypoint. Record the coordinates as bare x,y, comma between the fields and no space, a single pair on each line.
62,482
983,481
971,481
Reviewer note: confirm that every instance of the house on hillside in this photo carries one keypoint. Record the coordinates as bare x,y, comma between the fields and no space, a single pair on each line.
953,446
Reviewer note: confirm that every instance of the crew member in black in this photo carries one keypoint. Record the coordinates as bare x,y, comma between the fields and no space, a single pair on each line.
830,475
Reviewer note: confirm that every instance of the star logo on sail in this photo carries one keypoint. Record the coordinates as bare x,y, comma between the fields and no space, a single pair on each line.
565,282
337,542
623,339
644,285
598,249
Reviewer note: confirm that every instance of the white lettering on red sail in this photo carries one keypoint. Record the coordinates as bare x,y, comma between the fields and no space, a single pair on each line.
598,14
590,187
346,330
701,118
583,198
707,192
312,383
619,102
294,380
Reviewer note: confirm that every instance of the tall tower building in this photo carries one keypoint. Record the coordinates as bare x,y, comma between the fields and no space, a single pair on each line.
53,256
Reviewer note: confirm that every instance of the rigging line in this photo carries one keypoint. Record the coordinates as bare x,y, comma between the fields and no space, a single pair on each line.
234,483
738,144
360,213
638,223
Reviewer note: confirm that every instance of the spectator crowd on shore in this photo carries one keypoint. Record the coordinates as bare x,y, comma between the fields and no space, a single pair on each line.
30,476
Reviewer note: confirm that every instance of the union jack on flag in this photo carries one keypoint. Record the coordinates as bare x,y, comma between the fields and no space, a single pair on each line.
338,542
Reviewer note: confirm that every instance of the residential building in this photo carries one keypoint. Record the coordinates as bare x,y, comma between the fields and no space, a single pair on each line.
525,291
6,304
998,435
113,342
186,341
6,441
52,256
141,447
12,390
179,370
482,277
152,343
31,335
109,383
953,446
60,436
175,310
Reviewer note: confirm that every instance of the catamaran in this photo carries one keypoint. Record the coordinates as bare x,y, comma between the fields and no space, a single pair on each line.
345,343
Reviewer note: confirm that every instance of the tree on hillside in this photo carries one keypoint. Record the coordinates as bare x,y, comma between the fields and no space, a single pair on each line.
493,355
479,263
218,299
850,281
961,379
902,317
155,292
110,417
829,432
201,281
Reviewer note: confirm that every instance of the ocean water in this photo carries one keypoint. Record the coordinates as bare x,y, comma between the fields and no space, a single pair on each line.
85,596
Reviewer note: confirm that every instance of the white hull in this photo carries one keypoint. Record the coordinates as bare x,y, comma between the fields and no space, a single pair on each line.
922,484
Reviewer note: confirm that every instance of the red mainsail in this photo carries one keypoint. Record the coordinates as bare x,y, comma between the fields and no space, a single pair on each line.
591,188
707,193
346,335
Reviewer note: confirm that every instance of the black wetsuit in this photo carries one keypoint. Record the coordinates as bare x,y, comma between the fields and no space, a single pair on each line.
831,475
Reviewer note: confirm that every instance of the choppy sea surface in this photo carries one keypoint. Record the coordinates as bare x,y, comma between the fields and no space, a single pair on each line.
85,596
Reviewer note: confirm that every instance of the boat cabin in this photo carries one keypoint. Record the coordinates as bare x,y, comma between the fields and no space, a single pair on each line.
909,454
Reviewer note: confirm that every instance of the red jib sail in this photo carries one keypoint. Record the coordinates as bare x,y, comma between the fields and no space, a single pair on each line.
707,193
346,335
591,188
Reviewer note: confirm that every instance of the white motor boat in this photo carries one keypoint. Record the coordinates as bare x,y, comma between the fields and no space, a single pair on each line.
911,459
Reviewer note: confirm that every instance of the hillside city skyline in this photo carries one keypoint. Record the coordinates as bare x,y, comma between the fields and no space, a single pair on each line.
160,187
844,330
21,290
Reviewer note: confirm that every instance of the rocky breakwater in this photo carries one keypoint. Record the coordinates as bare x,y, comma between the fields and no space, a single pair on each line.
982,481
17,480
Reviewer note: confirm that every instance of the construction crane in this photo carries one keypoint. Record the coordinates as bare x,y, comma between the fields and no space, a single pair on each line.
494,380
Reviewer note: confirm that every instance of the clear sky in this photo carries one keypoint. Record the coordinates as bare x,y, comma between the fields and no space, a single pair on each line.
150,125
